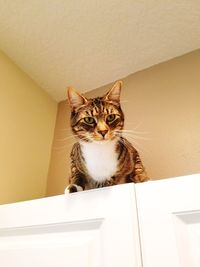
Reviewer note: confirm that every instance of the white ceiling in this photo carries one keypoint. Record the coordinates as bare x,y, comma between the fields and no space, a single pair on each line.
89,43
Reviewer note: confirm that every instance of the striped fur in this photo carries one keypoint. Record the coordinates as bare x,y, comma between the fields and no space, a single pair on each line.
102,156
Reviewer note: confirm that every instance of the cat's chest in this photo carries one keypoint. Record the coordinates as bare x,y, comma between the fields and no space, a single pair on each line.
100,159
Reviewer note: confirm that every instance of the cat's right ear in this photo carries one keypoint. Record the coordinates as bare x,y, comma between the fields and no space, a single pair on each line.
75,99
114,93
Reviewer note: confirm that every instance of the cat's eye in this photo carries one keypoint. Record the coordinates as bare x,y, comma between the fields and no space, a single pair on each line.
89,120
111,117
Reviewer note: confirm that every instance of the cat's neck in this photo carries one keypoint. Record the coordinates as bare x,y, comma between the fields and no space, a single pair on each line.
99,144
100,158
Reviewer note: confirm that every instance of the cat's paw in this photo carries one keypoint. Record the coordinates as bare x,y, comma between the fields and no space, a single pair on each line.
140,178
72,188
66,192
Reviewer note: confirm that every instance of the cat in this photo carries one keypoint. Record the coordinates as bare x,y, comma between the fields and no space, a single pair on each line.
102,156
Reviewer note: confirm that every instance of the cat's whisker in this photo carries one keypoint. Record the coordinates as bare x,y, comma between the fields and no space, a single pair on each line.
63,139
138,147
62,148
136,144
134,132
138,125
134,136
125,144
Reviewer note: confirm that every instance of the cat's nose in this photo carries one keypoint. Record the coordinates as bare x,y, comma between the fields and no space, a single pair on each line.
103,133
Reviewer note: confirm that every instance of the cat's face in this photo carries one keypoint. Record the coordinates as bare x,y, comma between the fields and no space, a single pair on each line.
97,119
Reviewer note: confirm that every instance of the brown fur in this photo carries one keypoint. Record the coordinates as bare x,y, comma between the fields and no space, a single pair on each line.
108,122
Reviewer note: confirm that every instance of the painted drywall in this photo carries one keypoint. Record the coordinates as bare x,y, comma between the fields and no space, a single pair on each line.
162,109
27,121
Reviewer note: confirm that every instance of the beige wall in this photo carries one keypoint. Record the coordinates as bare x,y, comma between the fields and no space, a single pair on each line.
27,121
162,107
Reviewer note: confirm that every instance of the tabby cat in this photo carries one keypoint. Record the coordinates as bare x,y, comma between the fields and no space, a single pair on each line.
101,157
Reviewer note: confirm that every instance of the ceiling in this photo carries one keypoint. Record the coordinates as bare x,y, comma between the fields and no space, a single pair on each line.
90,43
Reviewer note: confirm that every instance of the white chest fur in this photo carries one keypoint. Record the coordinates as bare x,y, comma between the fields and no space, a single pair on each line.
100,158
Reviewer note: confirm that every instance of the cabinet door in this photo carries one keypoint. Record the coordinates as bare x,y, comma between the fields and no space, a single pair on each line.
85,229
169,218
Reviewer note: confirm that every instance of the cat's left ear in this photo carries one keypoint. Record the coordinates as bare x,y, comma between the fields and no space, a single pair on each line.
114,93
75,99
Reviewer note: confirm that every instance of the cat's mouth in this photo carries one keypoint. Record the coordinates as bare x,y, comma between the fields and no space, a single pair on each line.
105,138
99,138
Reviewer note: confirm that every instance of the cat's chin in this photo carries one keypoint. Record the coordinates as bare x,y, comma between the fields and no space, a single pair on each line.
104,141
100,141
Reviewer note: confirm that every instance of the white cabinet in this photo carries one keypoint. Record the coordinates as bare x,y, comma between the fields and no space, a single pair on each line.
154,224
169,218
94,228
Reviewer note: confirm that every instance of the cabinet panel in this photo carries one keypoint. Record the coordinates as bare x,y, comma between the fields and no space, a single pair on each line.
91,228
169,219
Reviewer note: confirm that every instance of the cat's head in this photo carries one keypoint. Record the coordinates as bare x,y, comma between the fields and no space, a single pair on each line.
96,119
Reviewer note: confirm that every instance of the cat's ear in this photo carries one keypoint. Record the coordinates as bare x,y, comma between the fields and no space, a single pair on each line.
75,99
114,93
